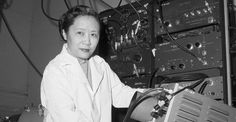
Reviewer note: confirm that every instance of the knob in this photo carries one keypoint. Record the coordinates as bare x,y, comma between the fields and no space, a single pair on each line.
137,58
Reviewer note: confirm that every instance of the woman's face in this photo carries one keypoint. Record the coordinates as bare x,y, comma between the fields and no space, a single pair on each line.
82,37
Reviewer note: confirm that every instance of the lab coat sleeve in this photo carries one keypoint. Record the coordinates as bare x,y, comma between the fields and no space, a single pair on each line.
121,93
55,96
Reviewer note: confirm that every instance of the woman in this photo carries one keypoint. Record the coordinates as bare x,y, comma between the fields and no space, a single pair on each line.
78,86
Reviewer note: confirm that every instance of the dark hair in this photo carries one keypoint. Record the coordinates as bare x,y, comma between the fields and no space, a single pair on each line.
67,19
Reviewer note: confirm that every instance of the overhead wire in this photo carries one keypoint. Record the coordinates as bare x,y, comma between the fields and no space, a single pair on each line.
91,4
112,8
67,4
45,13
119,3
18,45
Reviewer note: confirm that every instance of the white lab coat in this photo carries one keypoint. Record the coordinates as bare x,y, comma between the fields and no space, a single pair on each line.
68,97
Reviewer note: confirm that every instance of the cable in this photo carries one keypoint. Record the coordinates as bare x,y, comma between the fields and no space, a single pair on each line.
180,78
173,40
167,32
112,8
91,4
131,109
191,87
161,92
139,100
18,45
119,3
134,9
188,77
44,12
151,79
58,20
163,78
203,86
138,23
67,5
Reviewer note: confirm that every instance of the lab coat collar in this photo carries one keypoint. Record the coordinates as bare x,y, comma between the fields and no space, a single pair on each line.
67,58
97,73
95,65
